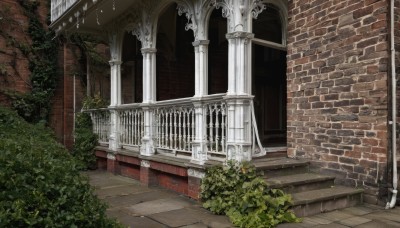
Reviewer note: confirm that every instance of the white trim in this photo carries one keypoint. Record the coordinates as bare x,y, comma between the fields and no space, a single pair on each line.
145,164
269,44
196,173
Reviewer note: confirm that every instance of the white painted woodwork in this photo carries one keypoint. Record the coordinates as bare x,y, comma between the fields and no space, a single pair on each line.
115,43
203,125
59,7
101,124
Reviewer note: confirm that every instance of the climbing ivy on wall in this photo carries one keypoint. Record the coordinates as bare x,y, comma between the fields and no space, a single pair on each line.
34,106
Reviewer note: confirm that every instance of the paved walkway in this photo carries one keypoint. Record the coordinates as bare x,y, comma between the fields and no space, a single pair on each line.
138,206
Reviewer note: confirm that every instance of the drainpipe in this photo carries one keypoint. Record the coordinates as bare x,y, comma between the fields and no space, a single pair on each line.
74,107
392,202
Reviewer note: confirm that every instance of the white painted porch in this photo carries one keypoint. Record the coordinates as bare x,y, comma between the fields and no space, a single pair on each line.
205,126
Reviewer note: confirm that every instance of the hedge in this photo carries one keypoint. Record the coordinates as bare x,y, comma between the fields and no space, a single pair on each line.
40,184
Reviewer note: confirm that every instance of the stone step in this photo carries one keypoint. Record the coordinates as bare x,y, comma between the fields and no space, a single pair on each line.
324,200
273,167
300,182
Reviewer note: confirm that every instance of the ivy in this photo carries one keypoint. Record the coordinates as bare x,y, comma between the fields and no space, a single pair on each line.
42,64
41,52
238,191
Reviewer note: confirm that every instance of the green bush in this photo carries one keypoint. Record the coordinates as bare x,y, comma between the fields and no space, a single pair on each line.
239,192
85,142
40,185
94,102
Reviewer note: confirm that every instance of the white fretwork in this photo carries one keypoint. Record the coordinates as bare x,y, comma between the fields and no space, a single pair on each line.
101,124
131,126
203,125
239,13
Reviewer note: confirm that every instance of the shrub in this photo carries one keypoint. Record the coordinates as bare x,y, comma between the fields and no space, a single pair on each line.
85,142
239,192
40,185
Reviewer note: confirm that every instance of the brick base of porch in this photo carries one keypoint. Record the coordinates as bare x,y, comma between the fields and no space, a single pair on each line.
158,170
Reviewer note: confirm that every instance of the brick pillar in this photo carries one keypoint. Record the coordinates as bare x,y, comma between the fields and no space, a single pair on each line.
70,63
194,182
148,176
112,164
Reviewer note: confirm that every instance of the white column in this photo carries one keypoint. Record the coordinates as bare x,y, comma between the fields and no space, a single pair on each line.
239,96
199,149
201,67
149,97
115,101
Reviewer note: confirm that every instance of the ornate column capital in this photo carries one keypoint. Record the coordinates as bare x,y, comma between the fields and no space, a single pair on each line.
239,13
197,14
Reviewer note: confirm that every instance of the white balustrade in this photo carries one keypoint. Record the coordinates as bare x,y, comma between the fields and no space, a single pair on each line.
216,127
131,126
101,124
173,127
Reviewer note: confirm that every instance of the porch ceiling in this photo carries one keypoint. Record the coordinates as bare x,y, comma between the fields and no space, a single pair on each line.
90,16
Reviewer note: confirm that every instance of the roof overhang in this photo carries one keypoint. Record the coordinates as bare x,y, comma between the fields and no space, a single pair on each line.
91,16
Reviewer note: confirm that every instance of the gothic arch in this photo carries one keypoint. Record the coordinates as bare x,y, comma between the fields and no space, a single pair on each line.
281,6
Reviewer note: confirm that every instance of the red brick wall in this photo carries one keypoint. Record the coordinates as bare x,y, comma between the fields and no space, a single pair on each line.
15,68
337,88
14,73
397,63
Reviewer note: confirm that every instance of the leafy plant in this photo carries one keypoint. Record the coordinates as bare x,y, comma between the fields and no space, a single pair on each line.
85,142
41,52
239,192
40,185
94,102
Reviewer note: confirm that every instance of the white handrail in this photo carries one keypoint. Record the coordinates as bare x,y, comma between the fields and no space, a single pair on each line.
255,134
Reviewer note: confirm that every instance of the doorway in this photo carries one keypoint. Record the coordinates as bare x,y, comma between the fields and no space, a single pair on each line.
269,76
269,89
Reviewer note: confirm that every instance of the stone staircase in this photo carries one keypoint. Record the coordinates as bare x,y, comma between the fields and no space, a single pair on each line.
312,193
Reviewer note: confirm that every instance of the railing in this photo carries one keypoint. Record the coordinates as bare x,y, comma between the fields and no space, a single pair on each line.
101,124
131,125
174,125
59,7
216,126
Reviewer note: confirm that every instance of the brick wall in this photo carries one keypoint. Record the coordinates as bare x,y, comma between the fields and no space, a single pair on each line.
15,74
397,48
337,88
14,71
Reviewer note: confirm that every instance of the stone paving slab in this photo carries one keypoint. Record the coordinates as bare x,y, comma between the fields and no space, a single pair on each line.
132,199
354,221
119,191
182,217
140,221
334,216
384,215
380,224
197,225
137,206
158,206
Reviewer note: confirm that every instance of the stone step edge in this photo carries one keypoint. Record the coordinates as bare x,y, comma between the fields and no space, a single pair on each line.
265,165
328,194
314,178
